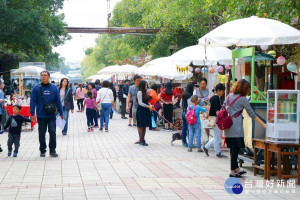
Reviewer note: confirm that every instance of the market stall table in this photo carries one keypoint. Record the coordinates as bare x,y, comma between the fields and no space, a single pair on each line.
25,111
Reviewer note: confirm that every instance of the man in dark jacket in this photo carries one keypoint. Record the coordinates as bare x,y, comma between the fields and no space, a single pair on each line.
50,95
122,95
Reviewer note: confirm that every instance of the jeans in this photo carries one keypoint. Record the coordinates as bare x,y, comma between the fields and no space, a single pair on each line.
95,117
216,140
13,139
51,124
185,129
89,116
105,110
195,130
155,118
66,115
123,107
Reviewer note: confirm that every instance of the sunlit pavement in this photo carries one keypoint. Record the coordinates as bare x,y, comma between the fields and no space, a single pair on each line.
100,165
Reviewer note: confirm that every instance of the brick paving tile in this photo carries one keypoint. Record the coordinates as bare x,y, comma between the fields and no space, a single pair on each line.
100,165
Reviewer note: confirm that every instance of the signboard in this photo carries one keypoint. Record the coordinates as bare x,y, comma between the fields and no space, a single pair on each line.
37,64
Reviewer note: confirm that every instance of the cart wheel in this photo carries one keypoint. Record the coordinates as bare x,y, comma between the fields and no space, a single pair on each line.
241,162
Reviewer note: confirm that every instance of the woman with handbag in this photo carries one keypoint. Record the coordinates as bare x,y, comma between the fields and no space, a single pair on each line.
154,101
234,135
215,107
66,97
105,102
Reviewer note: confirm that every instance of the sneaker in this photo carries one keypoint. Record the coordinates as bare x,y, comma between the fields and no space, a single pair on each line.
96,126
106,129
92,129
134,125
124,117
111,116
89,130
241,171
1,149
129,125
9,153
200,150
43,155
234,174
220,155
101,129
205,150
189,150
143,143
54,155
1,132
15,154
184,144
64,133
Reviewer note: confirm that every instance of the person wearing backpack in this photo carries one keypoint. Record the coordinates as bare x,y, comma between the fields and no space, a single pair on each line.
234,135
194,123
215,107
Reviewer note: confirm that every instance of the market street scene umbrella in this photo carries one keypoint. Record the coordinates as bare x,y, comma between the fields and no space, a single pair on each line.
93,78
118,69
28,71
163,67
250,32
58,76
201,55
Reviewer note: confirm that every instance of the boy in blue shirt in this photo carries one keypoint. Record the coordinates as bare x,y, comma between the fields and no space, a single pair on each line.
196,128
14,123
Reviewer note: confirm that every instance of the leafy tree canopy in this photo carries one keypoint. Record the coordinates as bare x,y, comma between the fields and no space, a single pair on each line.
181,23
30,28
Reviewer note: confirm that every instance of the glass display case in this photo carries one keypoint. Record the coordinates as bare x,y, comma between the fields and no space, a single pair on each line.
283,116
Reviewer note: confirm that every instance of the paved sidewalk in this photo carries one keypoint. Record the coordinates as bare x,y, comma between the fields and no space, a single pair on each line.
99,165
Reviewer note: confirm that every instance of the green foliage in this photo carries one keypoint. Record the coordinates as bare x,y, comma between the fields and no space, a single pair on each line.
181,23
30,28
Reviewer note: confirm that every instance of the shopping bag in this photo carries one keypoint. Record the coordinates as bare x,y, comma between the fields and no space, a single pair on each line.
60,123
153,122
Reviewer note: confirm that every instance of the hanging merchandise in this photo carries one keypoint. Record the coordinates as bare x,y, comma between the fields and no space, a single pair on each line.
272,53
280,60
292,66
220,69
204,70
191,69
197,70
228,67
264,47
240,61
183,70
211,70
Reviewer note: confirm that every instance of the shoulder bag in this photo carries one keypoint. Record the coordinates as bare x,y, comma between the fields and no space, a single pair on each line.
49,108
99,105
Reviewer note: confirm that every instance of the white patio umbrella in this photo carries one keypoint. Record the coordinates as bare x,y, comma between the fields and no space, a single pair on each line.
250,32
163,67
201,55
118,69
28,71
58,76
93,78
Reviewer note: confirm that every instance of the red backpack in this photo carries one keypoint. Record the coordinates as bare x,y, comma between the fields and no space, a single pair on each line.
191,117
224,120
